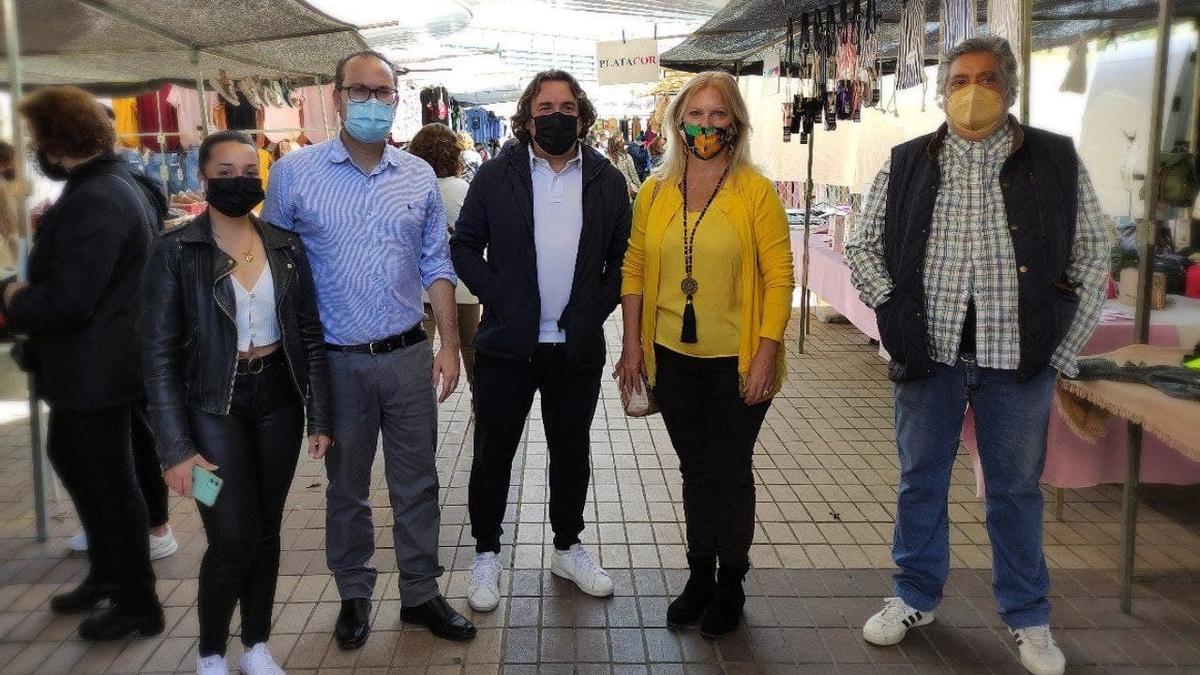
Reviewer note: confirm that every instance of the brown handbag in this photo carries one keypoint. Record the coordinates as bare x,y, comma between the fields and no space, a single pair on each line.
640,404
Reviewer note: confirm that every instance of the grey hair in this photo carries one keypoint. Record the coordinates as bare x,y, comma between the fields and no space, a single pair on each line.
994,45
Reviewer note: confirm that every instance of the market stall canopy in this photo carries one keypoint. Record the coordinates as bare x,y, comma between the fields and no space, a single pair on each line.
743,31
124,46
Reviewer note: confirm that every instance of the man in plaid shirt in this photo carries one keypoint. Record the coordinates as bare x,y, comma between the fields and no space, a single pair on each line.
984,253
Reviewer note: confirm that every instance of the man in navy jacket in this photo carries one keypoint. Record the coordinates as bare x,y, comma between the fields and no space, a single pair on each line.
553,218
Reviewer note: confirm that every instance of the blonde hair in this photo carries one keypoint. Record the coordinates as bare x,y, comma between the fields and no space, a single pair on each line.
676,155
465,142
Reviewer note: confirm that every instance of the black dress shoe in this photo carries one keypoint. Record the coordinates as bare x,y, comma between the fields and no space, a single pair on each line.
354,623
83,599
440,618
115,624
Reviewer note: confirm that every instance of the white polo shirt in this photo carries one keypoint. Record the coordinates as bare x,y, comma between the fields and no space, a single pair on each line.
557,224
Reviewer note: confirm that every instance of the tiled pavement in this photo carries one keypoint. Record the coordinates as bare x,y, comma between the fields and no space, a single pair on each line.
826,471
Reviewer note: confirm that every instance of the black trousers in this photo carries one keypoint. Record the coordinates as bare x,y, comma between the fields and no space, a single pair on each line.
146,464
504,393
255,448
713,431
92,454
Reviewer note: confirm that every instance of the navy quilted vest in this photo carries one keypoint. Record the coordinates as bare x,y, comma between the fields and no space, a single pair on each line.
1040,181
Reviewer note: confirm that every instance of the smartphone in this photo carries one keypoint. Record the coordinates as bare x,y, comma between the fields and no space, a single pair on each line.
205,486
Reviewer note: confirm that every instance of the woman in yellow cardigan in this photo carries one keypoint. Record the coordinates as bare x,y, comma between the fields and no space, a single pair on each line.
706,296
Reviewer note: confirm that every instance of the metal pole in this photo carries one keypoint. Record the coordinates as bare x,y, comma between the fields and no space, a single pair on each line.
1026,56
200,93
37,449
324,117
808,197
1195,130
1147,230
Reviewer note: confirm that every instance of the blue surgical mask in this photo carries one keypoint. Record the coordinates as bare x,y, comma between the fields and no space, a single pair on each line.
370,121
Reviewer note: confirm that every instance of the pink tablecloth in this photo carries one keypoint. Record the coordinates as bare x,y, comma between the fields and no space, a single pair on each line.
1073,463
1070,462
829,277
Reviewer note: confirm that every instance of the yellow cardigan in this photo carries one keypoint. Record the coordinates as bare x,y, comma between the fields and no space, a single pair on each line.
750,202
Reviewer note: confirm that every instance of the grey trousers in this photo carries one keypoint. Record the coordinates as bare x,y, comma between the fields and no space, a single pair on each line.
392,393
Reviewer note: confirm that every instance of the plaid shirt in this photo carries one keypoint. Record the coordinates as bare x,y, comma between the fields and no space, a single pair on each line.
970,255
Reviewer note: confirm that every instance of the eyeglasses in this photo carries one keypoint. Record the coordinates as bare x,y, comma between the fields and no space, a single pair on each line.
360,94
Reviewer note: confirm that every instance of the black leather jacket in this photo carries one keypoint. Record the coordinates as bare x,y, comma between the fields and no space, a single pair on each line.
189,336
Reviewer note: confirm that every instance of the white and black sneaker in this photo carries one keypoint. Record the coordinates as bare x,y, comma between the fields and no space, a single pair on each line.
891,624
1039,654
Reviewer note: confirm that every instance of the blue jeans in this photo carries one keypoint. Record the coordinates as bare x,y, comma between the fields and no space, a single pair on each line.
1011,419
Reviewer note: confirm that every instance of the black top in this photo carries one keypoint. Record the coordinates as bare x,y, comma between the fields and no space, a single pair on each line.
85,276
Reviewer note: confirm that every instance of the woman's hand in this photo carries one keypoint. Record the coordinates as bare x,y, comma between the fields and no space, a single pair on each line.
630,370
179,477
318,445
761,380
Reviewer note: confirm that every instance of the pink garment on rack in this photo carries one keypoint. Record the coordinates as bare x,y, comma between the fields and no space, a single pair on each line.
156,114
277,119
314,98
187,112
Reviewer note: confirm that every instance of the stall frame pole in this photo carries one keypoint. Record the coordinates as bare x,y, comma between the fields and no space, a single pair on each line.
1146,231
805,311
1026,56
200,93
36,424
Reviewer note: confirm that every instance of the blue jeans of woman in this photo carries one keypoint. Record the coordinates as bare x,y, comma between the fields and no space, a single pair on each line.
1011,419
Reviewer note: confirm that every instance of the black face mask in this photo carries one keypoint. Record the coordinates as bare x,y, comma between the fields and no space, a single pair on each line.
51,171
556,132
234,196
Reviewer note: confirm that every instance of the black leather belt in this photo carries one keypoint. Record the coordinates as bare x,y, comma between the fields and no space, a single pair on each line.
388,344
257,364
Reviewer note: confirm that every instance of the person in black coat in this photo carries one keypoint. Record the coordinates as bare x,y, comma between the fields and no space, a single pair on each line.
552,217
235,366
79,309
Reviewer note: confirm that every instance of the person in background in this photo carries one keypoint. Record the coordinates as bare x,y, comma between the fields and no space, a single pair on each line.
145,456
641,157
436,144
706,297
372,221
10,194
540,241
983,251
483,153
624,163
471,159
227,260
79,309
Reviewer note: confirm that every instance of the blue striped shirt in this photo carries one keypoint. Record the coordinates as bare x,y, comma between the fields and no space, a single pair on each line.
374,240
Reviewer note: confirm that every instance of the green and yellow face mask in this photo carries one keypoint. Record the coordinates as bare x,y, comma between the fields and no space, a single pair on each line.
706,142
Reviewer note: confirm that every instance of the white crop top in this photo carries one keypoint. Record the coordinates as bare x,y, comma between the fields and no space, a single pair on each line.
257,325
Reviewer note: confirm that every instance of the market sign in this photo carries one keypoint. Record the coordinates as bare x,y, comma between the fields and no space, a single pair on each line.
627,61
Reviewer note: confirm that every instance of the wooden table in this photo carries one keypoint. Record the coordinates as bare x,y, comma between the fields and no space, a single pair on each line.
1175,421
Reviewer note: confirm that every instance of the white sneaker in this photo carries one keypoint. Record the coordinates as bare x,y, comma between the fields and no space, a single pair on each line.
161,547
483,595
1039,654
211,665
79,542
891,624
578,565
257,661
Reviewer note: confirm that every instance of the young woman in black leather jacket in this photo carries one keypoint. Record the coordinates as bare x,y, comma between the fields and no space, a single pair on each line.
234,361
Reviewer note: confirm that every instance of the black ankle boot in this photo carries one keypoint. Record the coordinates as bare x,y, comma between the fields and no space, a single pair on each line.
701,585
724,613
117,623
83,598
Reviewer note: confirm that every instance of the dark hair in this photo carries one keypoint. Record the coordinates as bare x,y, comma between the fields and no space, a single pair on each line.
587,112
112,115
339,74
437,144
6,153
68,122
213,140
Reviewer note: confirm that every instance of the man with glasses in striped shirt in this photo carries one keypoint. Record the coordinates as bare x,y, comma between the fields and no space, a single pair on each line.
372,220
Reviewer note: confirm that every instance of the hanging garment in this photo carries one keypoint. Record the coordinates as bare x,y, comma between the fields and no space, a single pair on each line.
1076,78
1004,20
156,114
216,115
249,89
224,87
476,122
635,128
910,57
264,165
959,22
126,122
314,100
281,123
240,116
435,105
407,122
187,111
